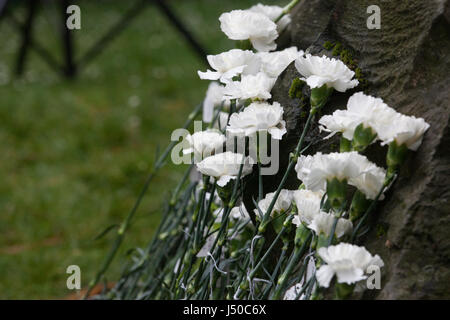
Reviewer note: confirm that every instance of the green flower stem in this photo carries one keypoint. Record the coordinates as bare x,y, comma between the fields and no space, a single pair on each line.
291,165
260,183
227,208
275,271
125,224
289,169
335,222
198,215
298,252
260,262
333,230
287,9
372,207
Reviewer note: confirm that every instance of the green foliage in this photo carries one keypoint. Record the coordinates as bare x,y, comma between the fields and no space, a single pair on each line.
337,49
328,45
295,91
74,155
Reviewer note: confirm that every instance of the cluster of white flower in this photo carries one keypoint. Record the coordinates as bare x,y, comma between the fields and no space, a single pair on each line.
242,75
245,81
315,171
370,112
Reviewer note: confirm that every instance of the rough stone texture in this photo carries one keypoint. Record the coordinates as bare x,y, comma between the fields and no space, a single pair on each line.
407,63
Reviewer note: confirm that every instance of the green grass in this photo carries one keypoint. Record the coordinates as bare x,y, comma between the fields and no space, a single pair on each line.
74,155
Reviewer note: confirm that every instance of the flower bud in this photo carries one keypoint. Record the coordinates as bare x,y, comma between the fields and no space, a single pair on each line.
362,137
336,192
225,191
319,96
301,235
359,205
343,291
345,145
244,45
322,241
396,155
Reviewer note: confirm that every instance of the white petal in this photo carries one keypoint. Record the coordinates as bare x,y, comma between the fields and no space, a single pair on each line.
324,275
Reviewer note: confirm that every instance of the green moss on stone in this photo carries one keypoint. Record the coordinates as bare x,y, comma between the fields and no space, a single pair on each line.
337,49
328,45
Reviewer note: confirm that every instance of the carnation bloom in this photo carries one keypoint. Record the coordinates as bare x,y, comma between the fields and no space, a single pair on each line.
230,64
237,213
259,116
348,262
253,26
282,204
273,12
308,205
274,63
405,130
250,87
240,213
205,143
314,171
214,97
370,181
322,223
225,166
319,71
361,109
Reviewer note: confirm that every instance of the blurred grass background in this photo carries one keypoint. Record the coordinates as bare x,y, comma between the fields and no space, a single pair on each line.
75,154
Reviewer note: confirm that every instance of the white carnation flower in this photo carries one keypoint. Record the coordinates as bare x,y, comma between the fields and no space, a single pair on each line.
407,130
348,262
370,181
259,116
205,143
322,223
240,213
250,87
318,71
314,171
273,12
230,64
237,213
308,205
274,63
225,166
361,109
214,97
247,25
282,204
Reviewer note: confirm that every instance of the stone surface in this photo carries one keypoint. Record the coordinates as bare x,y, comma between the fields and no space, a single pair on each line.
407,63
